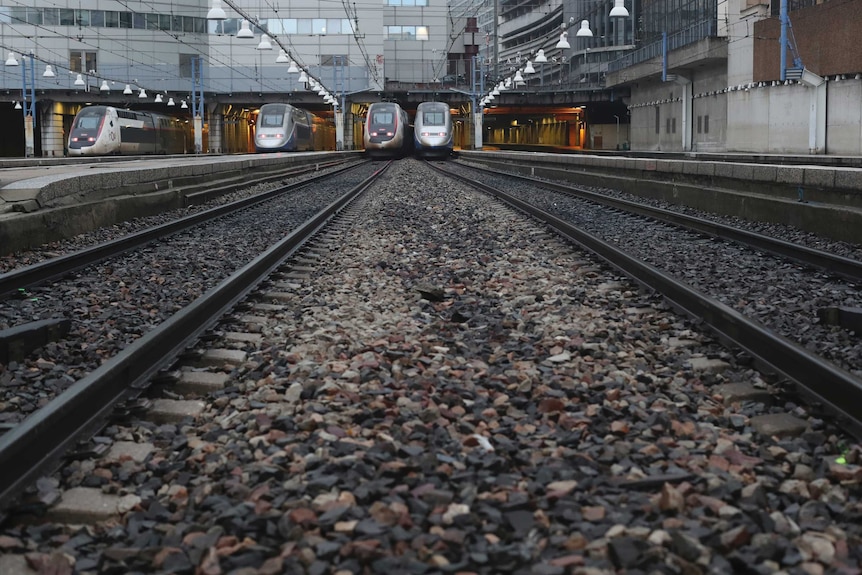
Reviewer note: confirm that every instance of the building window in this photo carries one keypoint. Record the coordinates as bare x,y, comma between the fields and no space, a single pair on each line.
657,120
407,33
82,62
706,124
699,124
667,126
673,126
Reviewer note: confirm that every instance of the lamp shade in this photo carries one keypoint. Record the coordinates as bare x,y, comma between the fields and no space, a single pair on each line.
171,102
245,30
104,87
528,69
216,12
79,81
127,90
303,77
584,31
49,71
11,60
518,77
540,57
293,68
265,44
183,105
282,57
619,9
158,99
142,93
563,44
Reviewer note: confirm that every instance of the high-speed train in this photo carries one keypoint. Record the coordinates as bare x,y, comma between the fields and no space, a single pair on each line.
387,132
106,130
432,130
284,128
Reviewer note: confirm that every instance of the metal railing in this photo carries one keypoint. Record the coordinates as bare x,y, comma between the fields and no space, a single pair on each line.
699,31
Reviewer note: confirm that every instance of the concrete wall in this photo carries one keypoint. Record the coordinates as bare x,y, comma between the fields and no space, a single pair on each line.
773,119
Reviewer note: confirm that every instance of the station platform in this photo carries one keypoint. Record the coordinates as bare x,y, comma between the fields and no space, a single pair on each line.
814,193
48,199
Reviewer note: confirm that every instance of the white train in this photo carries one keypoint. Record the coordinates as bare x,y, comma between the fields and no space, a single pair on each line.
433,135
283,128
106,130
387,132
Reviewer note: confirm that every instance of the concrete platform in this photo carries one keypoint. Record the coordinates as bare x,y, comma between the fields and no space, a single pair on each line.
823,199
48,200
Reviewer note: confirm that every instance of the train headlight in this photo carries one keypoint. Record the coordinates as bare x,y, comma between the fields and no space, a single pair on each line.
390,134
373,133
441,133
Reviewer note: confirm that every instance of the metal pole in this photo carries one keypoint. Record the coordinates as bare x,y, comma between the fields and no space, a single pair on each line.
338,86
198,102
29,108
782,42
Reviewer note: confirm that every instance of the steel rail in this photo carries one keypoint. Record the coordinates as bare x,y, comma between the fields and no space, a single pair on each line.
839,265
835,387
40,441
54,268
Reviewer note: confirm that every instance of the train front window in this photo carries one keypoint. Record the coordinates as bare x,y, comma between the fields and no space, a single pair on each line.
271,120
433,118
88,122
382,118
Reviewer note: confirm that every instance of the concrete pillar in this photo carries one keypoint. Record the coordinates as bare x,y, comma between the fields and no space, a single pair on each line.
51,129
216,124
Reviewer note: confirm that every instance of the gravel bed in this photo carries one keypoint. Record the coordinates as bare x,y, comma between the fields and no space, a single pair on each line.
120,229
117,301
780,294
457,393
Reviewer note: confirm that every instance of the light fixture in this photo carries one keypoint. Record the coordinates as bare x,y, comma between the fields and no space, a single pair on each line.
322,91
563,44
49,71
104,87
79,81
158,99
183,105
142,93
264,43
17,105
282,57
528,69
518,77
303,77
619,10
494,92
292,69
11,60
244,30
540,57
128,90
171,102
216,12
584,31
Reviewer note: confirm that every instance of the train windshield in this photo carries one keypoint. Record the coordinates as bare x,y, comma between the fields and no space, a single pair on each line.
88,122
433,118
271,120
385,117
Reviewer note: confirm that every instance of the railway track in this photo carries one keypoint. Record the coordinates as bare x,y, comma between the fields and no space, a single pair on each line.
32,444
824,369
441,385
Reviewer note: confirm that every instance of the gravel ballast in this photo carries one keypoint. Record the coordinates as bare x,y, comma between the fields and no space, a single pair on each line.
456,391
